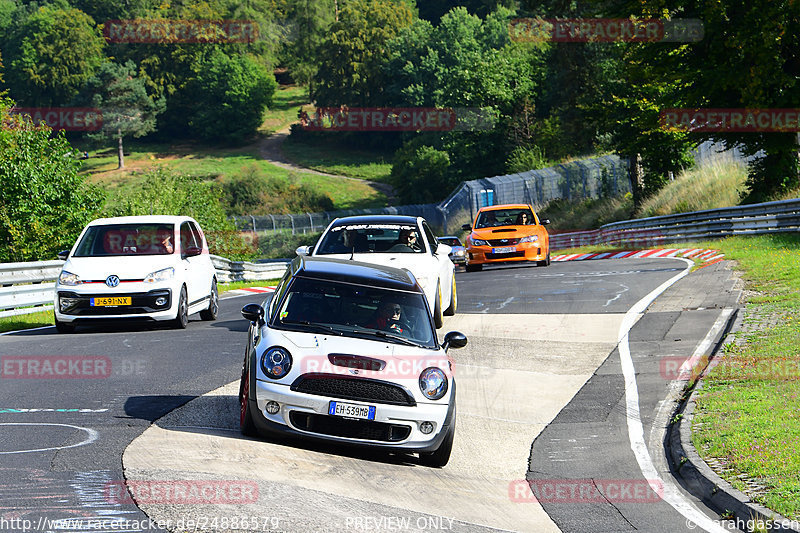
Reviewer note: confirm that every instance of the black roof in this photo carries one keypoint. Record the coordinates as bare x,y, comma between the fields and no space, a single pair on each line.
354,272
375,219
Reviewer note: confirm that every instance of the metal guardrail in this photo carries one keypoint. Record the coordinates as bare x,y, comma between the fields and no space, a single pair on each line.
757,219
28,287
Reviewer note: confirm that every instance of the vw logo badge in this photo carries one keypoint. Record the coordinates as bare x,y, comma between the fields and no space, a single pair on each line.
112,280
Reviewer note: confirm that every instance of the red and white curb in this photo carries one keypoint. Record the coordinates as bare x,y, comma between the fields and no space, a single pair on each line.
248,290
707,256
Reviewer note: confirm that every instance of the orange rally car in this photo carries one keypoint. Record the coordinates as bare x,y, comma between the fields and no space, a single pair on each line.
510,232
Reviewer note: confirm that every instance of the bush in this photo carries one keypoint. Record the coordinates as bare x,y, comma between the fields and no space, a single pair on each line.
251,193
282,244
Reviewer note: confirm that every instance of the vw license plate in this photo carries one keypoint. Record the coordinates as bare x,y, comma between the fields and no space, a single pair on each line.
351,410
504,250
110,301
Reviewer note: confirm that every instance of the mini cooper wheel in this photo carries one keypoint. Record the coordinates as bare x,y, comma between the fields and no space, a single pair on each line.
246,425
213,304
441,456
182,316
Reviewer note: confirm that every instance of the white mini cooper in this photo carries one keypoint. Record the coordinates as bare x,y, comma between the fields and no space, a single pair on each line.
346,351
140,267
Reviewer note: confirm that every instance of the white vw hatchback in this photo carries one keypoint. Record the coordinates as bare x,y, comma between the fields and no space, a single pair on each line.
395,241
140,267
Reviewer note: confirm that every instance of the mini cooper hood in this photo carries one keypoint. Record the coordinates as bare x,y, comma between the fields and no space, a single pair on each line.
126,267
352,346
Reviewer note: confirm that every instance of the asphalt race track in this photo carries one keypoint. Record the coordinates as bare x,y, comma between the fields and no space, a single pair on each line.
544,402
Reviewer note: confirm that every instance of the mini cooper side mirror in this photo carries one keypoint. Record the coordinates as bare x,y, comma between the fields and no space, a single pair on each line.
454,339
253,312
63,255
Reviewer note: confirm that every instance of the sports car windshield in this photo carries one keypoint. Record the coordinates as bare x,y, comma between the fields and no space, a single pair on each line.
126,239
504,217
372,238
356,311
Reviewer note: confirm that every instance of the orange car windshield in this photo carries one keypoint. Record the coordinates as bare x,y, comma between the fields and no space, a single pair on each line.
504,217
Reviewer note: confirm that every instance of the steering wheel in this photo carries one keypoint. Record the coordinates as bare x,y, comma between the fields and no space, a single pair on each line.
400,327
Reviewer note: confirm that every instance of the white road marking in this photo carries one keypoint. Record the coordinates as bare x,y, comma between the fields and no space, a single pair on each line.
92,436
671,494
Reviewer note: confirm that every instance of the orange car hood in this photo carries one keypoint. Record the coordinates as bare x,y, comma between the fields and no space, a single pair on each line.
504,232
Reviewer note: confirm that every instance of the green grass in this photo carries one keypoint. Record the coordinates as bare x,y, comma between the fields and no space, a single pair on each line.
286,102
327,154
31,320
712,185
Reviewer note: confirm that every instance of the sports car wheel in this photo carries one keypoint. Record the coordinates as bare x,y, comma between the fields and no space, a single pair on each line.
450,311
544,263
473,268
438,319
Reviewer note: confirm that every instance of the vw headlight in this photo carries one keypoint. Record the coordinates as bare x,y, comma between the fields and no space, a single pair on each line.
160,275
276,362
478,242
433,383
530,238
68,278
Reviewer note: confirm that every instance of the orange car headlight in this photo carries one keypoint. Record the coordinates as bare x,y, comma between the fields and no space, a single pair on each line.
476,242
530,238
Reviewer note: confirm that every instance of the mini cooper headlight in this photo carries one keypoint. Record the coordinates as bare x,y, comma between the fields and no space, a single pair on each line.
433,383
530,238
276,362
68,278
478,242
160,275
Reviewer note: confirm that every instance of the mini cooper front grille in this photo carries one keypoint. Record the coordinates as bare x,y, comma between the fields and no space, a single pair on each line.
504,242
359,389
348,428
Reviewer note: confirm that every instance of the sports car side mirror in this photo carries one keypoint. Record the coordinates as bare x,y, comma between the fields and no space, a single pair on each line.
303,250
454,339
254,313
544,221
466,227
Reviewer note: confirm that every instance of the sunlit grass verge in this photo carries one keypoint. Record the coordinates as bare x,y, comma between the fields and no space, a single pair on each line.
28,321
45,318
709,186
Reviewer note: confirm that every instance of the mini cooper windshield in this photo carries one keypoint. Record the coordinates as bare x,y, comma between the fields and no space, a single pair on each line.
324,306
126,239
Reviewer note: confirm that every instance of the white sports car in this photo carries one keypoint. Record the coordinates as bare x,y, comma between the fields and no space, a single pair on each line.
399,242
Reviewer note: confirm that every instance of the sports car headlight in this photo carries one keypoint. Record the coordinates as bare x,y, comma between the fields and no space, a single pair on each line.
530,238
433,383
160,275
68,278
478,242
276,362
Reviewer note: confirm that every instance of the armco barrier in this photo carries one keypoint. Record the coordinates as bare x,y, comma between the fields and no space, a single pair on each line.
757,219
28,287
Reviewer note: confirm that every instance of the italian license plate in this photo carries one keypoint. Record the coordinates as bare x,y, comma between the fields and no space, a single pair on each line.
110,301
504,250
351,410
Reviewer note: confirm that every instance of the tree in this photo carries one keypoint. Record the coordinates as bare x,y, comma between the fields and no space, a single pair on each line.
231,94
309,20
51,53
44,203
127,109
352,57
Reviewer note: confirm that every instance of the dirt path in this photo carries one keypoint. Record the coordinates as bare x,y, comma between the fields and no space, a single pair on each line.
271,151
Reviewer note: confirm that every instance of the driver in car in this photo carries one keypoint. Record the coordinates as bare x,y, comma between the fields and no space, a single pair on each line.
388,318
